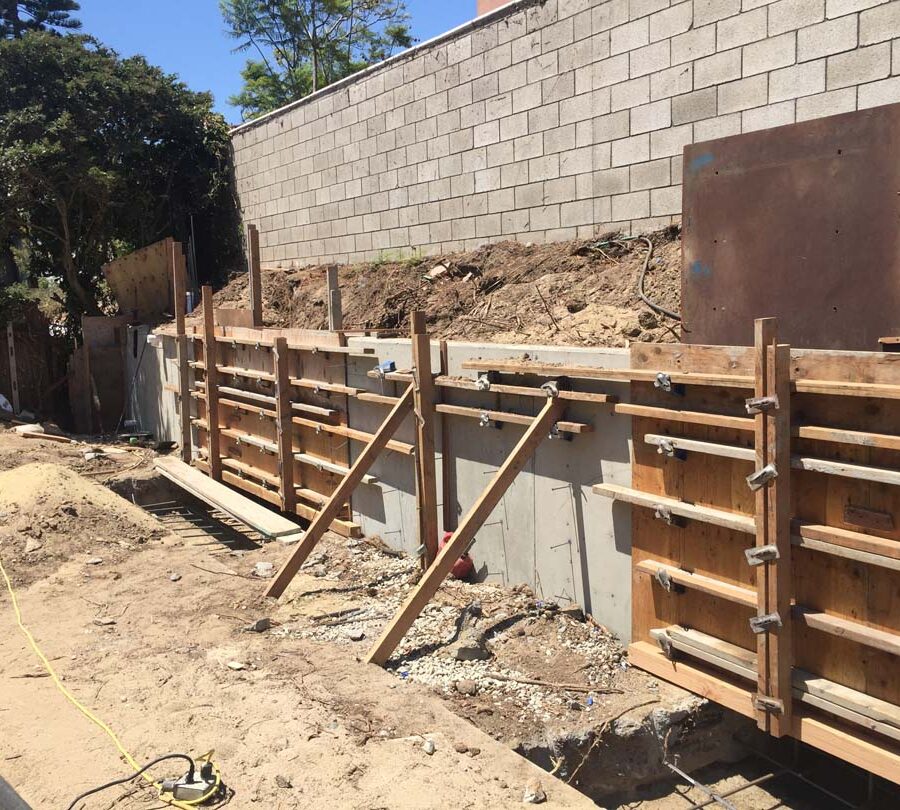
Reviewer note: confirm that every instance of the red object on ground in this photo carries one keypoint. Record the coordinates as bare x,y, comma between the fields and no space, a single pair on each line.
464,566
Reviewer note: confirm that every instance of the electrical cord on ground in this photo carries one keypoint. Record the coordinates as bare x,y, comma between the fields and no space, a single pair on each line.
131,776
183,804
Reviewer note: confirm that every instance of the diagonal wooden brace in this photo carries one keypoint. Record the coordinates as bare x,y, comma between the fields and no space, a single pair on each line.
340,496
471,523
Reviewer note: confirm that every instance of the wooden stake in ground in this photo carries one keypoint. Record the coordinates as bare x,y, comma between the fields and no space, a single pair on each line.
179,289
335,313
424,409
475,517
253,267
212,385
284,425
773,527
341,495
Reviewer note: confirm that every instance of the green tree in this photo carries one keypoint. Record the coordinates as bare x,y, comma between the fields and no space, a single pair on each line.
19,16
304,45
100,155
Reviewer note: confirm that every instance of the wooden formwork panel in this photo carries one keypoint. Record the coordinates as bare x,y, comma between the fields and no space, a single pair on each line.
838,435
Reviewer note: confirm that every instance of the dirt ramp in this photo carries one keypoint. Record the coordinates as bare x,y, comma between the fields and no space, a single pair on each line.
50,514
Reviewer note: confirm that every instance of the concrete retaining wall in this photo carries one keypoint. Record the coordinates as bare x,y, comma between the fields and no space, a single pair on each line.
549,120
550,531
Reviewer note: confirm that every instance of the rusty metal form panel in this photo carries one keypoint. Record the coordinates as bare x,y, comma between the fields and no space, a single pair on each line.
800,222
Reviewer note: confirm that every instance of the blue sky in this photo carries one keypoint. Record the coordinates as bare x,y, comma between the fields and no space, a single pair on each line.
188,37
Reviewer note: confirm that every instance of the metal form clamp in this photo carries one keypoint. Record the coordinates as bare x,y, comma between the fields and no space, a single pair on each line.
666,582
764,623
484,419
551,389
758,555
761,404
760,478
666,448
483,383
556,433
664,382
768,704
665,514
662,638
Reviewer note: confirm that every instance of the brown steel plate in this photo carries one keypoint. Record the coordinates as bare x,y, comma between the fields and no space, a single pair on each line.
800,222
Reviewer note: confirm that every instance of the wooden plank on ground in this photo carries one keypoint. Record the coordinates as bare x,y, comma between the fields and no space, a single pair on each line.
341,495
258,517
458,543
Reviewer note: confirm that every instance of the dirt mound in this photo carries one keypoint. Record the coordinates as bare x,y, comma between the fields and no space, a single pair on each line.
51,514
573,293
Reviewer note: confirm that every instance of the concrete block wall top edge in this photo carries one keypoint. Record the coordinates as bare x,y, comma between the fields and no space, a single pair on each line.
487,17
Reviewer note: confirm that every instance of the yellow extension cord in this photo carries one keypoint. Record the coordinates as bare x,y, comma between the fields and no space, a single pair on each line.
185,805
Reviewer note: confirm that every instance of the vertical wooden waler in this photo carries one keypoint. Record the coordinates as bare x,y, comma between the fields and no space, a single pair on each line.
424,413
773,511
212,385
284,426
255,271
179,289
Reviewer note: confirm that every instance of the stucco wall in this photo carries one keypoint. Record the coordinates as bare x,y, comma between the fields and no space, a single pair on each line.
549,120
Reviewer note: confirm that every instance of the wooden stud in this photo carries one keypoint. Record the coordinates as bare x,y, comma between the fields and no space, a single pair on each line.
212,385
253,267
284,426
341,495
179,293
773,516
424,409
13,376
335,312
449,513
463,536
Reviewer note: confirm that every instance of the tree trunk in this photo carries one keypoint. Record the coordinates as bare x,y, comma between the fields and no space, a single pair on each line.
9,271
76,288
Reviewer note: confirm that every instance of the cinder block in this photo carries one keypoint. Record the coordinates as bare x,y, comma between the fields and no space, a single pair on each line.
513,77
459,49
497,107
576,161
513,126
609,15
560,139
743,94
772,115
501,200
651,116
669,142
498,154
708,11
672,21
611,181
694,106
631,150
612,126
529,146
665,201
824,39
584,107
859,66
677,166
486,133
719,127
629,36
487,180
879,24
717,69
580,212
542,67
484,87
769,54
830,103
655,174
557,88
672,82
514,174
497,59
515,222
874,94
543,168
529,196
558,35
544,216
541,118
805,79
560,190
602,211
742,29
649,59
788,15
462,228
488,225
610,71
631,206
526,98
838,8
630,94
895,59
694,44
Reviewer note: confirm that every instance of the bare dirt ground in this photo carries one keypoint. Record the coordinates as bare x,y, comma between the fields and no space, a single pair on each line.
146,620
573,293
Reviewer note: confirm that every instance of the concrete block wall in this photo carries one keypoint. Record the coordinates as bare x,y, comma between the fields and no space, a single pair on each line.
544,121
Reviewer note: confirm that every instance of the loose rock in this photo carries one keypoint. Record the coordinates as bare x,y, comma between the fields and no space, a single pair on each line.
428,747
534,792
259,626
32,545
467,687
174,577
